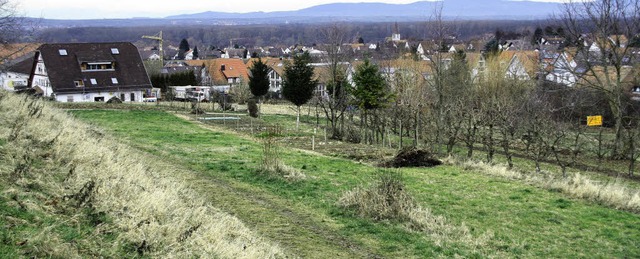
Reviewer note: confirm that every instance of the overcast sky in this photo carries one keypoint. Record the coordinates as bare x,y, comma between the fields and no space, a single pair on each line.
99,9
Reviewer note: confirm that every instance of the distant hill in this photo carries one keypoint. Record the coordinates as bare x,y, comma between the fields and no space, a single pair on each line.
453,9
339,12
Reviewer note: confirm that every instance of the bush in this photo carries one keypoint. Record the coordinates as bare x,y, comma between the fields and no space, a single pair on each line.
352,135
387,198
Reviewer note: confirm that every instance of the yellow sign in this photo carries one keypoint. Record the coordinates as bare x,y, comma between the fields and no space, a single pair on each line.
594,120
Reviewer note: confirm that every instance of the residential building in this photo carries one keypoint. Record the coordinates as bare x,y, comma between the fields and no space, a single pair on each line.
89,72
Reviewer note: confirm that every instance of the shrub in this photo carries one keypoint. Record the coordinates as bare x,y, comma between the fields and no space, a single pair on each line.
387,198
352,135
272,165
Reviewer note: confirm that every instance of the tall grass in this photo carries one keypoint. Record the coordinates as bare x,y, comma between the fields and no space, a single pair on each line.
272,165
154,213
612,194
388,199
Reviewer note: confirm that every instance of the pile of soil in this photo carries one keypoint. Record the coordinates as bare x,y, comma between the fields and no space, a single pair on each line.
412,157
114,100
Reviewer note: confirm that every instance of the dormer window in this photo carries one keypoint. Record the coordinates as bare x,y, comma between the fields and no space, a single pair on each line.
62,52
96,66
79,83
115,51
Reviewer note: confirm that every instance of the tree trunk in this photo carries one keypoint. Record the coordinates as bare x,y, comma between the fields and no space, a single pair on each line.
401,134
298,120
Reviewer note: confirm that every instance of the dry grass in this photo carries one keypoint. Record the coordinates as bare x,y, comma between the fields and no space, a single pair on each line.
388,199
612,194
153,213
284,109
272,165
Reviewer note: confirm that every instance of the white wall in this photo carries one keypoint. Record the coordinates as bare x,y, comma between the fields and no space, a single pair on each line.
90,97
9,80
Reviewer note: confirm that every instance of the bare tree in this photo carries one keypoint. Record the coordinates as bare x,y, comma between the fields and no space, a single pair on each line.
601,29
335,104
13,28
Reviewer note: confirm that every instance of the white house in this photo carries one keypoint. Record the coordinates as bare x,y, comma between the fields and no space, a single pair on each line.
90,72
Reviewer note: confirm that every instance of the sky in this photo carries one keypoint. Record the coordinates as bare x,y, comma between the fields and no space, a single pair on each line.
106,9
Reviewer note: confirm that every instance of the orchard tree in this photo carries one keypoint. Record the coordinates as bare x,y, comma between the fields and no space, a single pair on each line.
259,79
607,24
335,104
299,82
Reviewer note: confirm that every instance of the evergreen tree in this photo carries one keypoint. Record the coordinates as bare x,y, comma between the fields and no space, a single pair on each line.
492,47
184,47
298,84
537,36
259,79
370,86
371,92
196,54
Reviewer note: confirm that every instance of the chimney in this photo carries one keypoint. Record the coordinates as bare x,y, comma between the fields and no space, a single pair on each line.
222,68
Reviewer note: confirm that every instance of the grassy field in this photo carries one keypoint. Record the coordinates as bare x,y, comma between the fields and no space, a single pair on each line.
495,216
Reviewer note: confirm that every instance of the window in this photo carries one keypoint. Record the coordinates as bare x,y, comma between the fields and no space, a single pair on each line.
114,80
93,81
133,97
115,51
62,52
98,66
78,83
122,96
98,99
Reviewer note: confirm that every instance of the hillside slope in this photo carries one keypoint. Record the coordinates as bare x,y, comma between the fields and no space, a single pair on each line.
70,190
473,214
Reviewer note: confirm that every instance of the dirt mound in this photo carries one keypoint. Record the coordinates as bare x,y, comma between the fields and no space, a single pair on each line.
412,157
114,100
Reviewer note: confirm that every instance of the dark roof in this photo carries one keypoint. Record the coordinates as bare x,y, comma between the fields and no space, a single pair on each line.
64,70
22,67
178,70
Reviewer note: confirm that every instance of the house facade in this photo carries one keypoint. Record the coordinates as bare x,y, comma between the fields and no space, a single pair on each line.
16,76
89,72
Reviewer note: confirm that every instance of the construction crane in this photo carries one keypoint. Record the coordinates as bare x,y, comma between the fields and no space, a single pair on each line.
157,37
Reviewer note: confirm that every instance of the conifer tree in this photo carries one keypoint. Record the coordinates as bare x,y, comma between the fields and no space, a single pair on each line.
298,84
259,79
